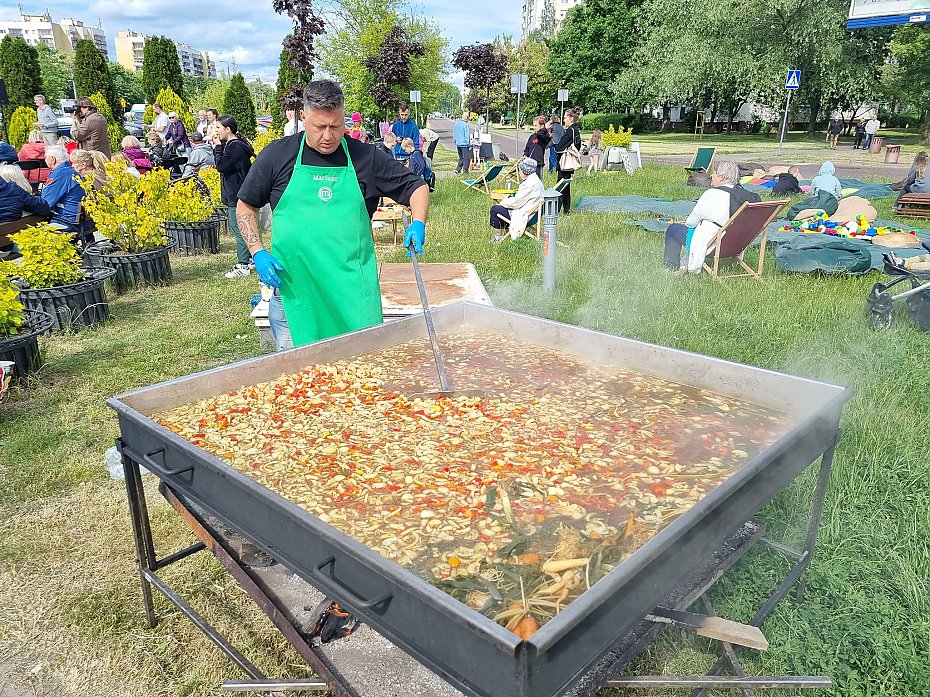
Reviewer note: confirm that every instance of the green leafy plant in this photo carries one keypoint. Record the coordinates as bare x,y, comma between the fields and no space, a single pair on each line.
619,137
184,204
211,178
20,125
262,139
238,104
170,101
11,309
49,258
129,210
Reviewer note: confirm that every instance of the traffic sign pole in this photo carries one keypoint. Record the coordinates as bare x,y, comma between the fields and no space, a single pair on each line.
784,124
518,84
792,82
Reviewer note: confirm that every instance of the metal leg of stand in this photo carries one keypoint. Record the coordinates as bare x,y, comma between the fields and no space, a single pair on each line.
797,571
813,524
141,531
730,654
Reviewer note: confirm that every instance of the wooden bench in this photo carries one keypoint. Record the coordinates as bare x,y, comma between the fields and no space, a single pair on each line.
913,206
14,226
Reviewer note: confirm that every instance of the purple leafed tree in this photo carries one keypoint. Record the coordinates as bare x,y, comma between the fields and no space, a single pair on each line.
484,67
299,44
390,67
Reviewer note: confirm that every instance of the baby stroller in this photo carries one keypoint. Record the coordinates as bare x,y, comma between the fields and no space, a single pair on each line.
880,302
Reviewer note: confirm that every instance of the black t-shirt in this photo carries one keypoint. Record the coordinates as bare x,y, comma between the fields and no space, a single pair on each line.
378,174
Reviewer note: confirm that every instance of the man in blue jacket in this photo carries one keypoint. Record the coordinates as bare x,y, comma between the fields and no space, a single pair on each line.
62,192
404,128
461,134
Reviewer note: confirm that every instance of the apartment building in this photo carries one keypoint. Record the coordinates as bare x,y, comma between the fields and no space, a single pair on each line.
62,36
535,11
130,47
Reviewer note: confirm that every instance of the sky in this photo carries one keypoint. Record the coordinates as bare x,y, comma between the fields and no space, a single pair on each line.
246,35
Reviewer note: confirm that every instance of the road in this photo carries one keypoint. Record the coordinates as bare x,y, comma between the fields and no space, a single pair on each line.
808,160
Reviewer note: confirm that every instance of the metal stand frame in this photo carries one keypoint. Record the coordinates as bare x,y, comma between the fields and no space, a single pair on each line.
331,679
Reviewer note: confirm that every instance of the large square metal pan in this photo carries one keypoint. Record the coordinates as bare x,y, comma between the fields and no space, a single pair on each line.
469,650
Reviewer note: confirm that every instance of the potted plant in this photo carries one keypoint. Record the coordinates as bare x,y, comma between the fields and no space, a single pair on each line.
211,177
19,331
188,219
50,279
128,213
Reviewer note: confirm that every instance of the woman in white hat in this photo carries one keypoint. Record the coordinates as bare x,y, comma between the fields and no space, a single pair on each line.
517,208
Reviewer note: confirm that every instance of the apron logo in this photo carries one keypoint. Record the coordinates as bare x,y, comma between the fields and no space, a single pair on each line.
325,193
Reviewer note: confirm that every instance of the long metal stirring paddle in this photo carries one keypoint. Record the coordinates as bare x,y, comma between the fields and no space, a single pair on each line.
445,388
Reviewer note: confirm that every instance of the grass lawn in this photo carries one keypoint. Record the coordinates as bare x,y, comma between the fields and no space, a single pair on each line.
71,620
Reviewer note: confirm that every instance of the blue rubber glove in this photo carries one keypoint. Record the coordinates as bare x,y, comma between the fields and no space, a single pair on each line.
266,266
416,235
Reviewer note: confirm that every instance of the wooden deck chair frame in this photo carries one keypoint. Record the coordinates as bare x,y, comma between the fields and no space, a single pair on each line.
693,167
537,211
484,179
734,252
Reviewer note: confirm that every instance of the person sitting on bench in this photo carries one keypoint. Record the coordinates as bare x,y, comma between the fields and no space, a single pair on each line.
710,212
16,196
62,191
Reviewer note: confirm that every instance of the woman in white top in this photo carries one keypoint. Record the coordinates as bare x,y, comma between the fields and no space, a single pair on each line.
518,208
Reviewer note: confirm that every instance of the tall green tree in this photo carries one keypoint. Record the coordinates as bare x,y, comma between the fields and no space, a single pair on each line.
161,68
21,73
593,46
92,75
213,97
390,69
909,74
530,57
239,105
56,68
127,84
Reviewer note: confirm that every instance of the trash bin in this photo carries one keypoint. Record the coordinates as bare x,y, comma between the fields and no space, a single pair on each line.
892,152
875,146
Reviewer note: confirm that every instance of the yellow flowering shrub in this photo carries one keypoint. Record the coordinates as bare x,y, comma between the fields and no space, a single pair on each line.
211,178
621,137
11,309
128,210
49,258
185,204
262,139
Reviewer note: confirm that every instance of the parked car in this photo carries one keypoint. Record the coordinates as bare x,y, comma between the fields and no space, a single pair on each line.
64,125
263,123
133,123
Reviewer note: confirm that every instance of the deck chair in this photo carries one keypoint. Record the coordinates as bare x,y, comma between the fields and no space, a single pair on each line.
737,233
533,221
487,176
702,160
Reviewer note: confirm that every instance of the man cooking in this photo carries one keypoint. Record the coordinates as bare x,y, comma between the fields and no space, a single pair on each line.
323,189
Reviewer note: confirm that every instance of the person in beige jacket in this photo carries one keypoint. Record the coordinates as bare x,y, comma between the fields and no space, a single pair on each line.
90,127
517,209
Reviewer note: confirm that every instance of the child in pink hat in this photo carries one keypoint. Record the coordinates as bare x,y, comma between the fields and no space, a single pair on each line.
357,131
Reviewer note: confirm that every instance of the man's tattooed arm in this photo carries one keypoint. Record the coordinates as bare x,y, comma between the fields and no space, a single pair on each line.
247,217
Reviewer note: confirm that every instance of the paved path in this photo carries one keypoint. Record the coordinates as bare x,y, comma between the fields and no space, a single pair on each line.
508,146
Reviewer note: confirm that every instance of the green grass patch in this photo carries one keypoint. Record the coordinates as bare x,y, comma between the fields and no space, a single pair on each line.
66,559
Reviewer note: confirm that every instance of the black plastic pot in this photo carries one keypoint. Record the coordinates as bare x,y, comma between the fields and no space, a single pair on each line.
194,238
76,305
134,270
23,349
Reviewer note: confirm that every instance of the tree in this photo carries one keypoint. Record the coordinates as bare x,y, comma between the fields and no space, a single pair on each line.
299,44
239,105
172,102
593,46
484,66
213,97
909,74
288,78
363,26
19,126
20,71
547,20
92,75
56,68
127,84
390,68
161,68
530,57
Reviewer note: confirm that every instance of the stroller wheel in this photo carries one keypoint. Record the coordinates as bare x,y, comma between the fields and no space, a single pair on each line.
879,319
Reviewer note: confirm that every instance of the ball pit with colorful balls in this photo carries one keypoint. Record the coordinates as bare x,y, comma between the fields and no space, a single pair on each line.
860,227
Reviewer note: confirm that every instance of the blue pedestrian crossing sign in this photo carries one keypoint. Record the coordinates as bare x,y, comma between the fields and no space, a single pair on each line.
793,81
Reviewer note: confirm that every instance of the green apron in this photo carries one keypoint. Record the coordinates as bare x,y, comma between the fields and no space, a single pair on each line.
321,234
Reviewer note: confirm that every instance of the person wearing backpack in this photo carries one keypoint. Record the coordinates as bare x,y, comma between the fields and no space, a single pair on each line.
233,156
